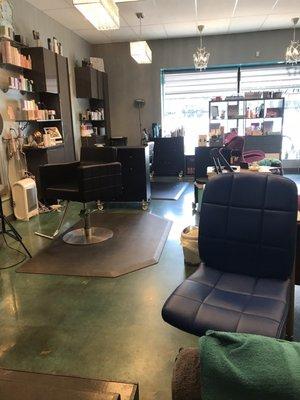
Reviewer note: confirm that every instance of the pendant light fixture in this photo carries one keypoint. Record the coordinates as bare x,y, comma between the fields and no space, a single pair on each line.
292,55
103,14
201,56
140,51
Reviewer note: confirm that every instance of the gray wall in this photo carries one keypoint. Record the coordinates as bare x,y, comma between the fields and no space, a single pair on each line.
128,80
27,18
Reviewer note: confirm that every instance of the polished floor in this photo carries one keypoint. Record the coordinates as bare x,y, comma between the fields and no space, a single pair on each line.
97,327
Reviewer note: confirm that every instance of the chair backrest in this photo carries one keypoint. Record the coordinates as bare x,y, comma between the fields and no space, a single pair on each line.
98,154
248,224
237,144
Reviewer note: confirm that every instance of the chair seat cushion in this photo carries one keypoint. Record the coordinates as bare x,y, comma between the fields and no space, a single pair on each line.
222,301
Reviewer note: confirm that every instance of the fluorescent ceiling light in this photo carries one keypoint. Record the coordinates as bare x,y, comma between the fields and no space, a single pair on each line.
103,14
141,52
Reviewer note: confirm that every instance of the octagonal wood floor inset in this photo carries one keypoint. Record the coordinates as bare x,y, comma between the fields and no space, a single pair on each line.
138,241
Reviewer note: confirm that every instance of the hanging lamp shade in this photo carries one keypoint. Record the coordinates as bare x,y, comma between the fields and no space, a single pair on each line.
141,52
103,14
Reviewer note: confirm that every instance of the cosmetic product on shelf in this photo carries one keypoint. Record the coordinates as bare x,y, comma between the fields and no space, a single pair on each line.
55,45
86,129
29,111
96,115
12,55
20,83
49,44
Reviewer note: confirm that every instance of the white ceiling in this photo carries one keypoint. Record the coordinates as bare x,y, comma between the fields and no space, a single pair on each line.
177,18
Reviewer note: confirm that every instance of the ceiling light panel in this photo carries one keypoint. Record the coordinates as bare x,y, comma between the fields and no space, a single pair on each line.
246,8
103,14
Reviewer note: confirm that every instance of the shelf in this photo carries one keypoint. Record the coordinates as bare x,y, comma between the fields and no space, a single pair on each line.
264,136
13,42
5,90
37,120
92,120
31,148
14,67
48,120
243,118
245,100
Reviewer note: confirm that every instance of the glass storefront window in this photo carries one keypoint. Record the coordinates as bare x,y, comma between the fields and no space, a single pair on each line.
186,97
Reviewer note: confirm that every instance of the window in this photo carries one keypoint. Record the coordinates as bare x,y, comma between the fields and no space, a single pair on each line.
185,101
186,96
285,79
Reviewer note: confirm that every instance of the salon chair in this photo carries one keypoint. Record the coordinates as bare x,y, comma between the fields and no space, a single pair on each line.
236,144
83,182
247,238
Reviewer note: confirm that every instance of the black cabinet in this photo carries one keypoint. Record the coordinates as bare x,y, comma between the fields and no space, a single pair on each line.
93,85
50,75
168,158
135,173
203,159
267,143
100,85
89,83
44,71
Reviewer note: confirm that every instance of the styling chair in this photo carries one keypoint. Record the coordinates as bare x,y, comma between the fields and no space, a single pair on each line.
247,238
236,146
83,182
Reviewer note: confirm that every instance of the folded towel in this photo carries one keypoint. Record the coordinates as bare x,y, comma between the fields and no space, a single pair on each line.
238,366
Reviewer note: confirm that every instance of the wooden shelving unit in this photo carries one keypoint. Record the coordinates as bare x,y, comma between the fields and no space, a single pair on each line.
93,85
50,75
263,132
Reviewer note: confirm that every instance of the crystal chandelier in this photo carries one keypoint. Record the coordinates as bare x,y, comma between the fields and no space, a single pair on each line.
201,56
103,14
292,55
140,51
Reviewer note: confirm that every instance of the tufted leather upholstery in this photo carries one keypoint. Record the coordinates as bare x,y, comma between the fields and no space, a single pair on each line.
83,181
247,242
211,299
248,224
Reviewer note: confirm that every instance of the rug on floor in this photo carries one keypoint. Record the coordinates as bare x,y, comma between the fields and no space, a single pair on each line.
167,190
138,241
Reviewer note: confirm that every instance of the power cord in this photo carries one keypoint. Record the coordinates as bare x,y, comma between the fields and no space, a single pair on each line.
16,250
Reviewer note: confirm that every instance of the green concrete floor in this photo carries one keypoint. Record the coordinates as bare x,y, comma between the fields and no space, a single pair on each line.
96,327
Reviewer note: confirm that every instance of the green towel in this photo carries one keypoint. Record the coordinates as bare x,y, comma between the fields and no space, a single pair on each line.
237,366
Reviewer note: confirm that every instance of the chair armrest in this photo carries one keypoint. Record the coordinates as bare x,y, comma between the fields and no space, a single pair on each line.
90,170
53,174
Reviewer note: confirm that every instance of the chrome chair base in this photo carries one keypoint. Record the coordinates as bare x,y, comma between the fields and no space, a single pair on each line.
85,236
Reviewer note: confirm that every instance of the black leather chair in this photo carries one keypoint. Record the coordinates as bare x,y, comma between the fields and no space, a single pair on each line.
247,244
83,182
